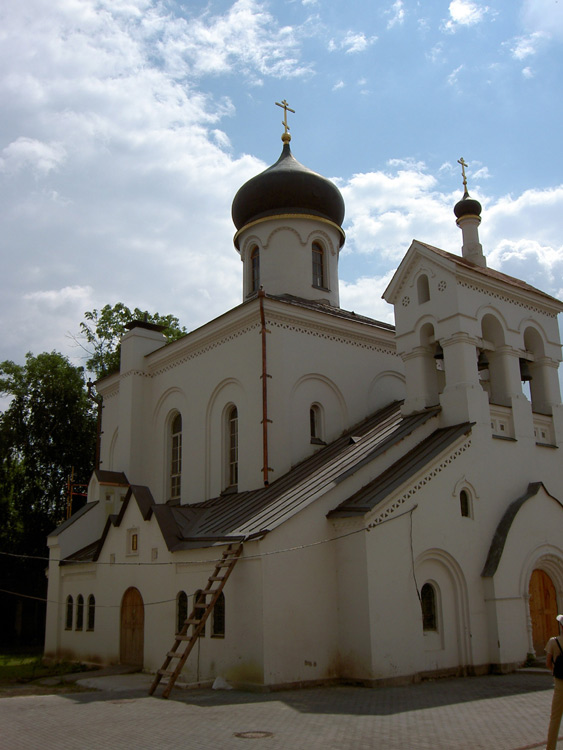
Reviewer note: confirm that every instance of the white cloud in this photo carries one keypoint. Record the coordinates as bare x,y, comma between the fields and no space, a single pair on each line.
464,13
245,37
396,13
436,53
30,153
363,296
527,72
525,46
116,176
352,42
338,85
56,298
452,79
544,16
385,210
480,174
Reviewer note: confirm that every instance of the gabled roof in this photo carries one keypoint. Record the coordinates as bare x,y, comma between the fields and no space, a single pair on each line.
246,514
146,504
366,499
112,478
327,309
86,554
499,539
460,262
489,272
75,516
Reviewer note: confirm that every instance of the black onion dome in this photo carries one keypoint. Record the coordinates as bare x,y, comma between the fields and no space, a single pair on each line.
287,187
467,207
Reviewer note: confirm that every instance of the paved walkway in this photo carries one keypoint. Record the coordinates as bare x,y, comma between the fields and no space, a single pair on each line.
508,712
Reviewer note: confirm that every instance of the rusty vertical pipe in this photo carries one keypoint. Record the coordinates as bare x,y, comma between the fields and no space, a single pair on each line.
264,376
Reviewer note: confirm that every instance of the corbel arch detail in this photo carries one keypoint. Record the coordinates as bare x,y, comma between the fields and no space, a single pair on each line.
465,484
248,244
323,237
284,228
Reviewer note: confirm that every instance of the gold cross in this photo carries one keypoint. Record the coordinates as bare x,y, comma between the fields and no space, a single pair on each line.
286,108
463,165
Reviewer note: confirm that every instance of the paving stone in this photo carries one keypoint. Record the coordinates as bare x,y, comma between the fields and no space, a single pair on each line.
505,712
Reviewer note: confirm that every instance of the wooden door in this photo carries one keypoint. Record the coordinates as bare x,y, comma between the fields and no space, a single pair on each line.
543,610
132,628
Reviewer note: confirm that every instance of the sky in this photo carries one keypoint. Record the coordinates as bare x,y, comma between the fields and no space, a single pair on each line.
127,126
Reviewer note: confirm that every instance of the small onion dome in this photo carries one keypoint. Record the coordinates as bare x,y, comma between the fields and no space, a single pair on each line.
467,207
287,187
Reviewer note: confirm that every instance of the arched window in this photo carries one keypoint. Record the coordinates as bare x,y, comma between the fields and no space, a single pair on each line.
316,424
91,612
199,599
428,604
423,289
79,612
69,612
254,269
232,447
218,629
181,610
176,457
318,265
465,504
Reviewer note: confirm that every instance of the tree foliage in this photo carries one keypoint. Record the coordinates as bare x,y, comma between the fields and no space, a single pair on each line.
47,430
102,330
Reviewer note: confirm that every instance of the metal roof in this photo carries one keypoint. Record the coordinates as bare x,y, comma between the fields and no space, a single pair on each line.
244,514
75,516
327,309
375,492
490,272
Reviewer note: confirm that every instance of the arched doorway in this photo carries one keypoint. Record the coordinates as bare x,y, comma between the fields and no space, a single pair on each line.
543,610
132,628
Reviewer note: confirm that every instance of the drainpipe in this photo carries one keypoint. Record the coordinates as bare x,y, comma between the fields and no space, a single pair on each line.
264,376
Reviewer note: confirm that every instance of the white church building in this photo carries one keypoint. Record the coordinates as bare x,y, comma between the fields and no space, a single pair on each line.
387,500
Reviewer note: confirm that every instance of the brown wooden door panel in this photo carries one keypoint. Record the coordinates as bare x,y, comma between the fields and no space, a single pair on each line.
132,628
543,610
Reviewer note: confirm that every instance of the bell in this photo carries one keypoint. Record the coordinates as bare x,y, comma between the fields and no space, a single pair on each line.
482,362
439,352
525,374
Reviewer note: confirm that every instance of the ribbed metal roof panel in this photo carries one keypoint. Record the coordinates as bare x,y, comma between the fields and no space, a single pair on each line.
264,509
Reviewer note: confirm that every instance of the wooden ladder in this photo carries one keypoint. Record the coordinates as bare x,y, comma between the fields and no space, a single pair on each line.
206,600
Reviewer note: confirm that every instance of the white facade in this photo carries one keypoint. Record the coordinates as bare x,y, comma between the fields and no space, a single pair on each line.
375,551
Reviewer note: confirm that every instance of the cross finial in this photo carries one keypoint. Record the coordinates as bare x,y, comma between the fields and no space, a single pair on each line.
463,165
286,108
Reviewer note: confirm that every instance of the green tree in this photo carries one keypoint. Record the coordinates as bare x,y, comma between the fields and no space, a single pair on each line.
47,430
102,330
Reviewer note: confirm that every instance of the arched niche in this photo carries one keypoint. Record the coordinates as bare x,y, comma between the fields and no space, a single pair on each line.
314,389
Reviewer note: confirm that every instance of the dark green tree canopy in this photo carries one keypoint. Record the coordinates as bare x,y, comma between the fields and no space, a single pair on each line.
48,430
103,329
